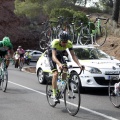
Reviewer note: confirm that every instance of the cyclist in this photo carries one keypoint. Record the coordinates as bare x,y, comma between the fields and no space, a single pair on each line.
16,58
6,50
55,55
21,52
27,57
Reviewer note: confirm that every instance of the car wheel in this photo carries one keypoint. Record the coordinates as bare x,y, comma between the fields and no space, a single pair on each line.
75,77
41,76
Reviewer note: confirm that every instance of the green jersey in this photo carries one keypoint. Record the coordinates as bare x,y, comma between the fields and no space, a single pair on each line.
56,45
2,48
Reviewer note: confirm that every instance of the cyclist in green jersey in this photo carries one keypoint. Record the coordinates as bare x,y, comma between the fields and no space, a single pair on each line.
55,55
6,50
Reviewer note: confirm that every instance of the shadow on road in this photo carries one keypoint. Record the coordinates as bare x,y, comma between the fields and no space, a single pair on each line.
96,91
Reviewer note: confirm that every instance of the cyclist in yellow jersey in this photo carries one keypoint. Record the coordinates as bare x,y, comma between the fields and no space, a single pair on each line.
55,54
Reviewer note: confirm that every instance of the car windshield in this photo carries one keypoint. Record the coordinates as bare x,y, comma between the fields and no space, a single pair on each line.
90,53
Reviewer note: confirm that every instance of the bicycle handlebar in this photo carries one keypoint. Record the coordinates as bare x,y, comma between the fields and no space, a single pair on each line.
101,18
73,67
77,67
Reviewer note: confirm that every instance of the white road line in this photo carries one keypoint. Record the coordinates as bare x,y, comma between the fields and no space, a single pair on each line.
92,111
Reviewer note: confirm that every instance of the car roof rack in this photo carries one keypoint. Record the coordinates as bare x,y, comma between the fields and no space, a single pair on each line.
89,45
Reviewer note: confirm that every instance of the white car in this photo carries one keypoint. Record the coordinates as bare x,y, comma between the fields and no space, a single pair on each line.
99,67
35,54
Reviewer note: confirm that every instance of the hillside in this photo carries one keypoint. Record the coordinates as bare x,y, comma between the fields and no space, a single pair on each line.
112,46
10,25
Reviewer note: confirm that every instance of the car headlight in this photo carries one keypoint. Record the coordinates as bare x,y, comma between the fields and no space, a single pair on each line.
93,70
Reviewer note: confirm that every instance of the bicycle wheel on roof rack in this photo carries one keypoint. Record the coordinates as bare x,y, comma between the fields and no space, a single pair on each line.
85,37
43,41
101,36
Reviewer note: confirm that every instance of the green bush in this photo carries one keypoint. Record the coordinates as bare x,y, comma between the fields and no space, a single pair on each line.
65,12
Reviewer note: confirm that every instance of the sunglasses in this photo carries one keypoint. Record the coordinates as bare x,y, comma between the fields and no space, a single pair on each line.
65,42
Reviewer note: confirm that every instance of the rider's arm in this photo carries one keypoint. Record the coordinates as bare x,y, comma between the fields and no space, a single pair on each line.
74,57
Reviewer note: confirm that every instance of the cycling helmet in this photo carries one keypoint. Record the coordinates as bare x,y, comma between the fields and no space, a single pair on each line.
6,41
19,46
64,36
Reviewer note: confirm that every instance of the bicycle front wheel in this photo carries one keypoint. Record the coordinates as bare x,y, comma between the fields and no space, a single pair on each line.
4,79
71,98
49,93
20,65
114,98
101,36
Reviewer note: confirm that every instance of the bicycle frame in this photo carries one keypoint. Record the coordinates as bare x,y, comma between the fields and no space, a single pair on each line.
68,90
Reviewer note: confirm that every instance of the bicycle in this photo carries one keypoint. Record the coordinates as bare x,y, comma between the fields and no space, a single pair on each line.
48,34
95,36
3,75
68,90
114,98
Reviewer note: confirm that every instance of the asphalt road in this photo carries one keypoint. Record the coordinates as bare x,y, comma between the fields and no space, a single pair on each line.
25,100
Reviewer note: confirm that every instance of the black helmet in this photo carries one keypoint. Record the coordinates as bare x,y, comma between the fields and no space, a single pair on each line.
64,36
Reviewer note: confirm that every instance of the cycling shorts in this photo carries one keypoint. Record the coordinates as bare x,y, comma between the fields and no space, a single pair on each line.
3,53
59,56
21,55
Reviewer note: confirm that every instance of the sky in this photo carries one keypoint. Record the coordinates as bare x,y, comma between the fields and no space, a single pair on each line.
89,4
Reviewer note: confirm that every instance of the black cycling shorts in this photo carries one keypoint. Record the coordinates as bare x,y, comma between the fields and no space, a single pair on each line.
3,53
21,55
59,56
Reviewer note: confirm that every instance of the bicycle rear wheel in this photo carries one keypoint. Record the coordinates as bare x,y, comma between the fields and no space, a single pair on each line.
114,98
4,77
49,94
101,36
72,100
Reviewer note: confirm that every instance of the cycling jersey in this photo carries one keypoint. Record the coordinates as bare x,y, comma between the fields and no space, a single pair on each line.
61,51
21,52
4,50
56,45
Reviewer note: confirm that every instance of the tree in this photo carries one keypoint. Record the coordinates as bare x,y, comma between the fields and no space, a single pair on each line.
29,8
115,14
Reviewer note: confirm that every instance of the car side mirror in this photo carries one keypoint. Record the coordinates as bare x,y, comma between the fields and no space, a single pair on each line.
112,57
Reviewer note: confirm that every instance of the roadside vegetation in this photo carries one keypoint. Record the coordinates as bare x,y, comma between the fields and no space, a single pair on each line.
38,11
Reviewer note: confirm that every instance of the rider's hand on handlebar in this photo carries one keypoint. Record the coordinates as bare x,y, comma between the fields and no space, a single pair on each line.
60,66
82,67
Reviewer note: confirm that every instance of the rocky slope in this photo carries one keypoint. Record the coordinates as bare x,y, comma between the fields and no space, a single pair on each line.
112,46
11,25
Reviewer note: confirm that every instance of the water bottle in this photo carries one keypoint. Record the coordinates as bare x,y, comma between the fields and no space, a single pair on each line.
62,84
59,84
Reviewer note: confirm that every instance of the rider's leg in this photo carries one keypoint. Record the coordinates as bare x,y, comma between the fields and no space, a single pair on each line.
54,82
22,58
7,57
